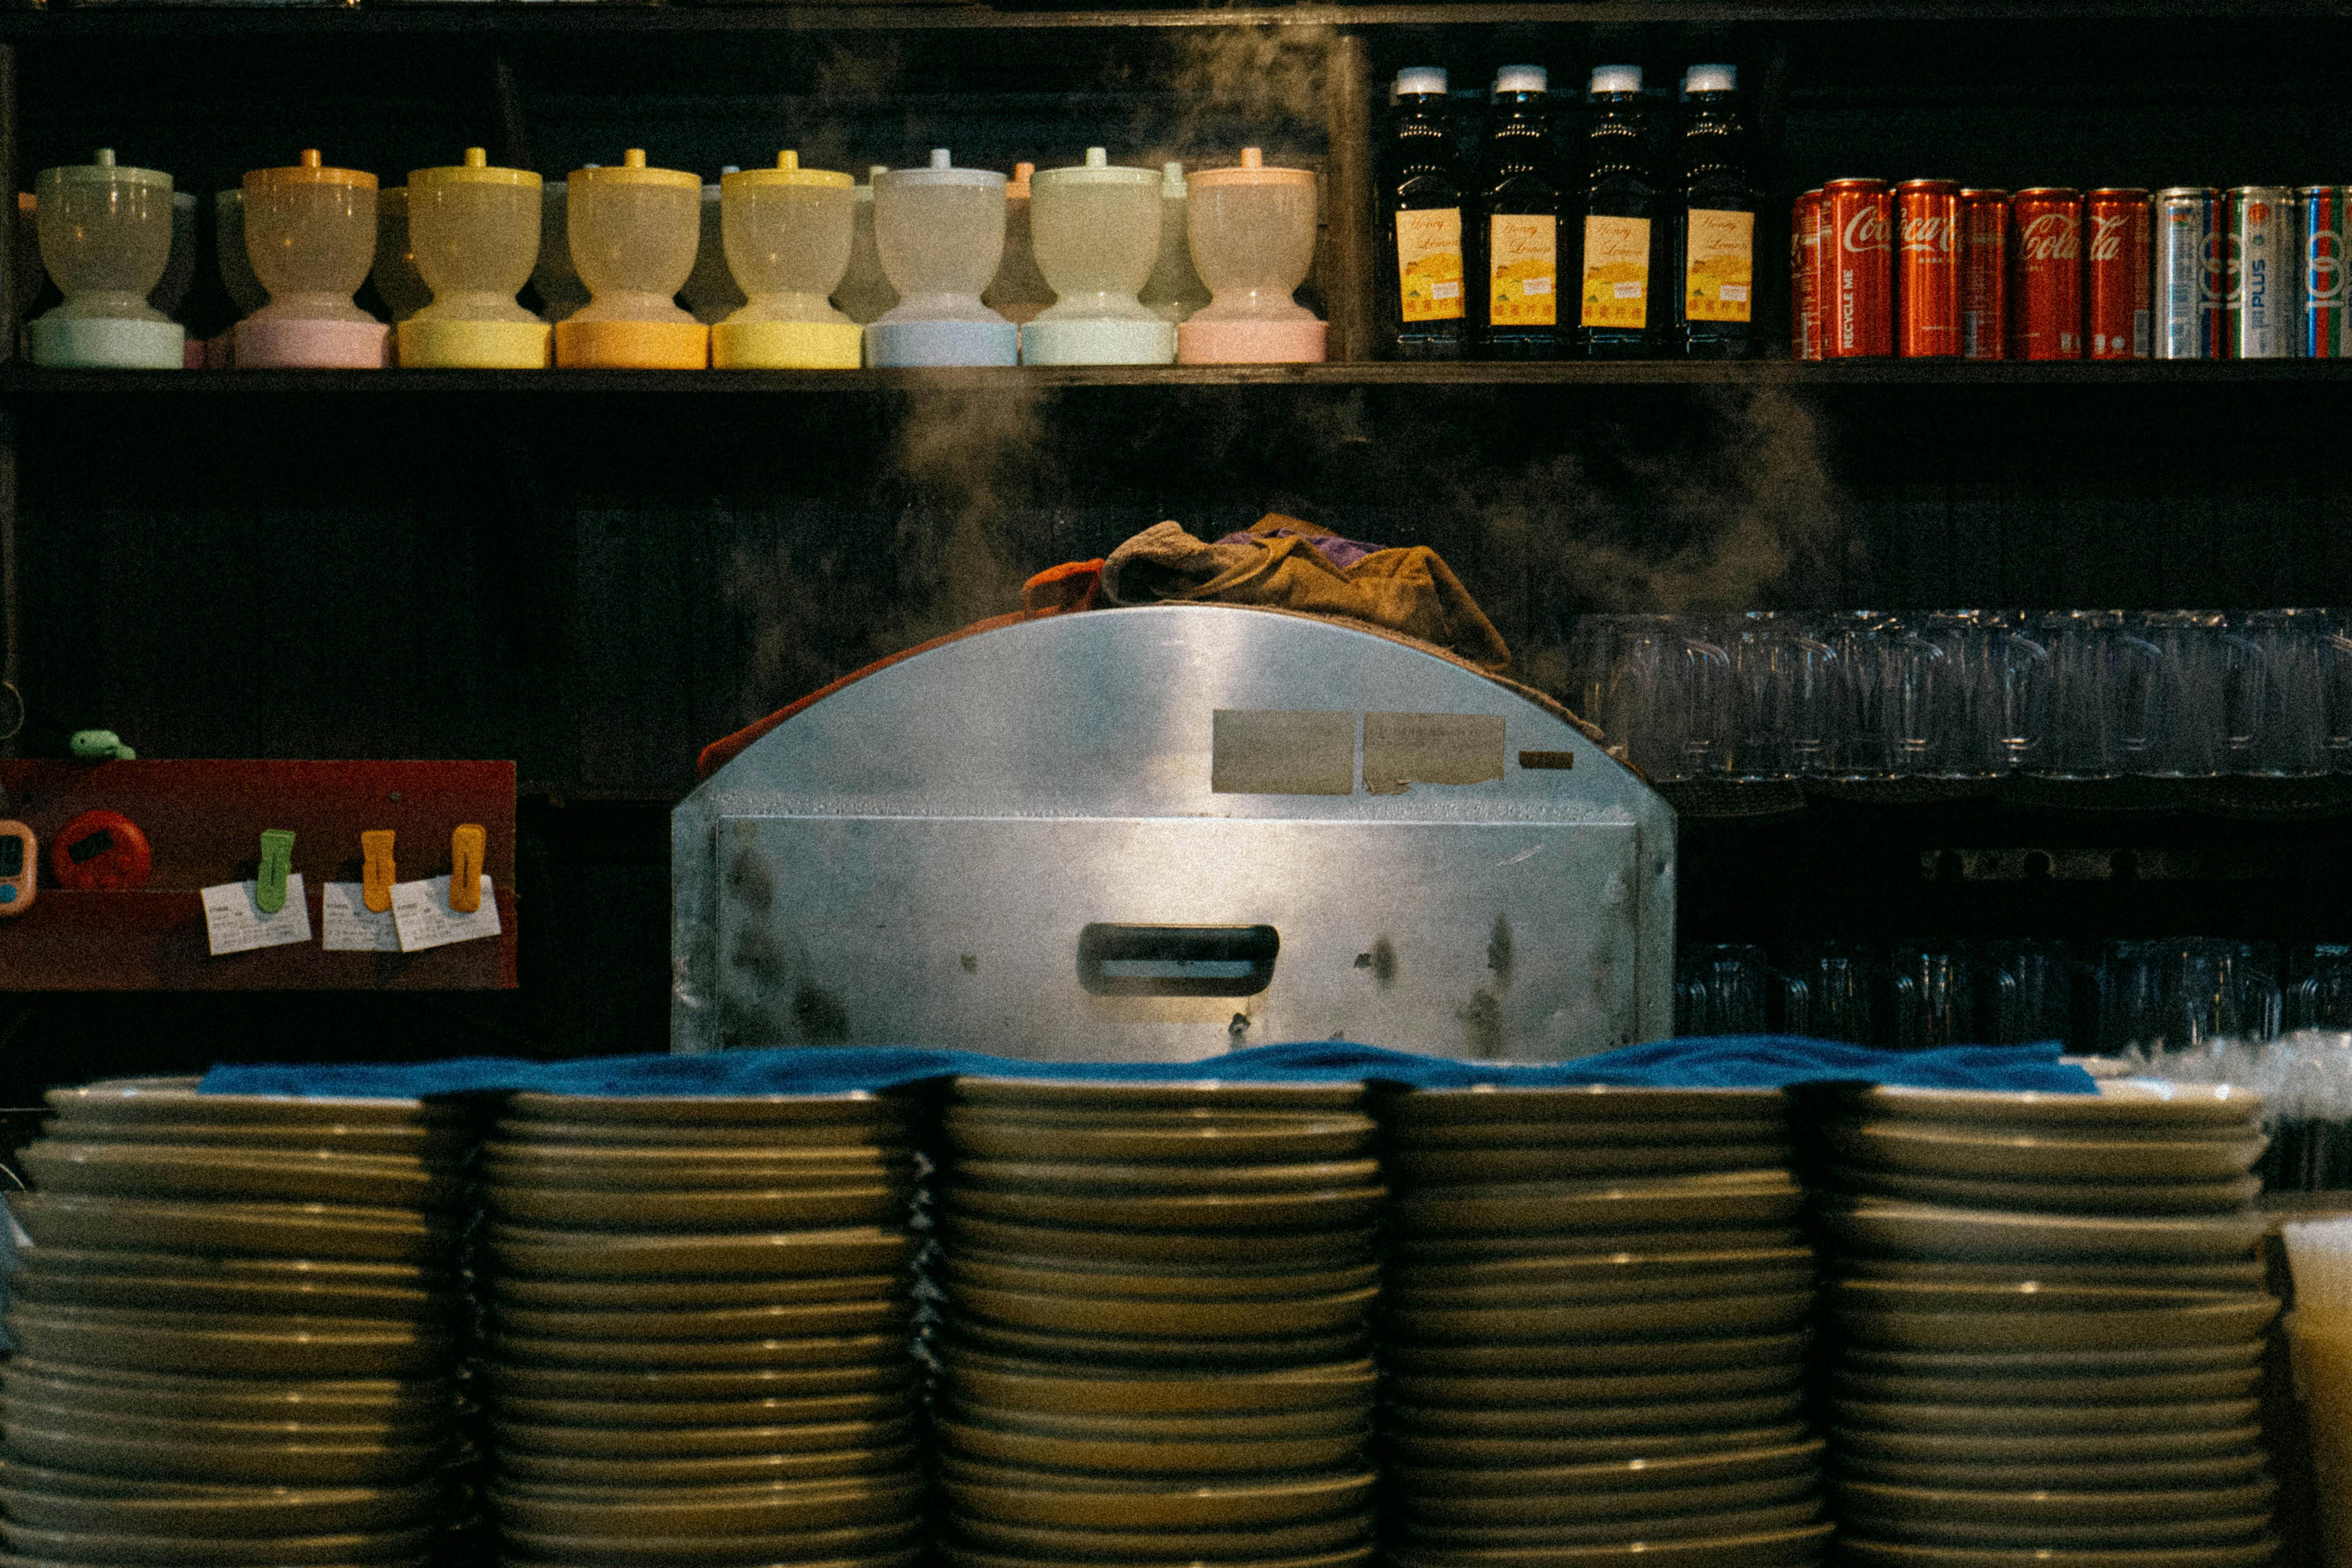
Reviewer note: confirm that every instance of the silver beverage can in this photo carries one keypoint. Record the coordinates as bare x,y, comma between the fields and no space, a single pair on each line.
2265,261
2190,244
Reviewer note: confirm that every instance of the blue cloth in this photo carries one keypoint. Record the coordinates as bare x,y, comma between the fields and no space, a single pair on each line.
1715,1061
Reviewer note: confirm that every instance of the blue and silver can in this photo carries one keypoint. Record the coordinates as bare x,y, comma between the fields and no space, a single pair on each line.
2324,233
2190,246
2265,265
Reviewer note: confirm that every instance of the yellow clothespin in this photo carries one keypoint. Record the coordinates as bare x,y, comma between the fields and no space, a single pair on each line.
376,873
465,848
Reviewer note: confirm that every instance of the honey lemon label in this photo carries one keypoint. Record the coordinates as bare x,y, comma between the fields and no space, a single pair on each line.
1523,272
1617,272
1719,270
1429,264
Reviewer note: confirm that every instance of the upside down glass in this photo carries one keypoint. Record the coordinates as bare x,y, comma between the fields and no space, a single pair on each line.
1658,691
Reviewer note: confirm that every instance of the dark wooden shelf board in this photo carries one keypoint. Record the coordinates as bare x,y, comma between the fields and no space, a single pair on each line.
26,382
507,17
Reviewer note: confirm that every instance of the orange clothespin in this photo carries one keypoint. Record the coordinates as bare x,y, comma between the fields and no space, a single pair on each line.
466,848
376,873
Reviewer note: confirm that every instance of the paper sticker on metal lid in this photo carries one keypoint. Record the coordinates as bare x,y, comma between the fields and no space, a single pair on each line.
1405,749
1270,750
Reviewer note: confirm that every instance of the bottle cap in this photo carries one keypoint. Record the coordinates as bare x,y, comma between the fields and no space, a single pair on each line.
1522,79
475,170
102,170
631,171
308,170
1711,78
1616,79
1171,178
787,171
1420,79
940,171
1097,170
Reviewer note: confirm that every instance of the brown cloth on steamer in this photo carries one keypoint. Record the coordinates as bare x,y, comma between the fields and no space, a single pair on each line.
1408,589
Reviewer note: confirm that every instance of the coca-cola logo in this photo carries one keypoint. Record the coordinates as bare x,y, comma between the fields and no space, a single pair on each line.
2107,236
1930,236
1867,229
2050,237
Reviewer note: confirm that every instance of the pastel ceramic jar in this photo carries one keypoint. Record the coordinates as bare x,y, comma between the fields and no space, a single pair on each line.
105,235
1019,291
1174,289
236,275
401,288
1251,230
865,292
710,290
561,292
786,233
633,232
474,231
940,232
1096,230
310,234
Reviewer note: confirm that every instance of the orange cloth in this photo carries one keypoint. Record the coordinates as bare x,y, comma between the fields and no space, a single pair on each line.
1409,589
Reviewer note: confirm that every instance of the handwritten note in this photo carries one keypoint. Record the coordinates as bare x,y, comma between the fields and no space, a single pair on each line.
421,911
348,925
234,922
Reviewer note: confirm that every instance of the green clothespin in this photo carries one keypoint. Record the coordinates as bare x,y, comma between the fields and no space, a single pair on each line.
277,860
100,746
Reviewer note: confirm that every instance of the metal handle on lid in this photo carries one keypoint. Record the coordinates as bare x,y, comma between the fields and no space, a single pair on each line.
1177,961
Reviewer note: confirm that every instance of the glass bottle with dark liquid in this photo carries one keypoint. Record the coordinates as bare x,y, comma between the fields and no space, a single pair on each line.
1625,240
1423,306
1517,231
1715,232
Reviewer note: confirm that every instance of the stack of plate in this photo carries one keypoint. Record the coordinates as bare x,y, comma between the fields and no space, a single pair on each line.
238,1323
1595,1320
702,1352
1155,1347
2048,1329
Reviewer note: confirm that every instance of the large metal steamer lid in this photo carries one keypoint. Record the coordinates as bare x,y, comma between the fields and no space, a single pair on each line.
1159,832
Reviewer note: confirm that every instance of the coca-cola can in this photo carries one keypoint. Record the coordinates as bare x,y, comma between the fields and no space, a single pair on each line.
1804,298
2115,274
1858,221
2192,271
1984,274
1926,273
2045,295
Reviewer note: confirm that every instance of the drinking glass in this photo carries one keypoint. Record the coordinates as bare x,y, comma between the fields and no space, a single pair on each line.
2173,709
2321,994
2028,992
2084,685
1826,993
1933,1000
2185,994
2290,706
1883,673
1981,690
1719,990
1784,693
1658,690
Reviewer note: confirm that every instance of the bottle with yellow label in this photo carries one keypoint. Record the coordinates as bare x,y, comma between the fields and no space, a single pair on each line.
1714,234
1625,234
1425,296
1516,252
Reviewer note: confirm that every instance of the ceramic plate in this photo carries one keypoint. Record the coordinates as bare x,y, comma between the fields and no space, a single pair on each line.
1735,1198
1531,1509
2226,1322
263,1343
1172,1178
1347,1246
856,1108
2154,1441
991,1135
291,1294
1331,1421
1744,1315
1615,1531
91,1389
2033,1296
82,1446
570,1470
2219,1469
2182,1387
2089,1198
691,1294
1121,1546
1539,1133
1996,1419
1678,1472
1439,1253
796,1320
692,1172
175,1172
841,1350
1803,1544
1886,1555
2248,1275
302,1428
1607,1274
1043,1386
2121,1107
623,1442
175,1100
2024,1507
1324,1209
1981,1154
817,1410
998,1271
1604,1391
1079,1094
1924,1230
267,1510
1352,1557
1620,1356
446,1146
1536,1287
594,1140
1569,1162
1580,1419
1023,1344
1132,1317
329,1231
1181,1507
181,1551
2131,1361
859,1545
1405,1446
662,1385
1256,1456
1490,1105
2042,1535
623,1254
722,1209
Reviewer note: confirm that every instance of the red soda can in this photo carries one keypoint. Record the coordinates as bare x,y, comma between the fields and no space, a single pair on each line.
1858,235
1804,299
2115,280
1823,255
2045,296
1984,274
1927,273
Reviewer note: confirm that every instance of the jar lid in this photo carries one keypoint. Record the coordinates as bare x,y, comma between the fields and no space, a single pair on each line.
1253,170
787,171
477,170
631,171
308,171
940,172
1098,170
102,170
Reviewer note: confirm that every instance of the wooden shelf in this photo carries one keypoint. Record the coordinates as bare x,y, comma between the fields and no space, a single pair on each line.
506,18
28,382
